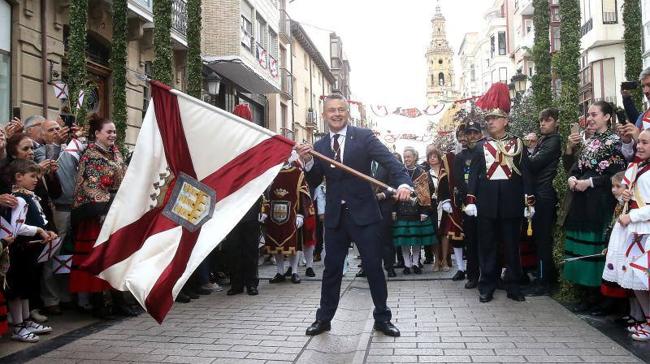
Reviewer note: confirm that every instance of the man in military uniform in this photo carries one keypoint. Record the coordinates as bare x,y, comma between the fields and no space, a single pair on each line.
471,133
499,193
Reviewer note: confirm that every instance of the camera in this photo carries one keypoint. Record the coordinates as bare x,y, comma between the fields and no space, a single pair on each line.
621,117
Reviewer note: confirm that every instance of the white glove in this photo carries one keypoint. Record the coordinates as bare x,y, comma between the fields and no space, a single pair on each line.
299,220
529,212
262,217
470,210
446,207
423,217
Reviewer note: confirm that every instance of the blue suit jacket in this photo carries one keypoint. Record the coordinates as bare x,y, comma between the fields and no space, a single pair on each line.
361,148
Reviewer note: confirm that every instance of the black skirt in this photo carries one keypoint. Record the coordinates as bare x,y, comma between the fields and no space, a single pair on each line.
23,277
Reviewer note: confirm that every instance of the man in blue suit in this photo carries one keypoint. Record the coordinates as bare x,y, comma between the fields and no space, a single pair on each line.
352,212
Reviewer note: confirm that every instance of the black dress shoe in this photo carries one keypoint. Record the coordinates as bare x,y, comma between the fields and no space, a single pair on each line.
516,297
234,291
485,297
361,273
407,271
310,272
277,279
295,278
417,270
289,272
252,291
391,273
459,276
471,284
387,328
318,327
182,298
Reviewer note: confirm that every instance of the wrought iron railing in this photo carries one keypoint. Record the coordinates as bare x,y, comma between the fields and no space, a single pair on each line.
286,82
285,25
610,17
179,16
586,27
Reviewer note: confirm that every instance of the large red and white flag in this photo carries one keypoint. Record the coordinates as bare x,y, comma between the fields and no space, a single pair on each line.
215,165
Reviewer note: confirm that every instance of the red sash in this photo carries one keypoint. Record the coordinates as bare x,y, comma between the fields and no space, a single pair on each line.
498,162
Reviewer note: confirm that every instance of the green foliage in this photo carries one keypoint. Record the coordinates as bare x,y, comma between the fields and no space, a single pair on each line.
194,62
118,65
162,63
524,115
632,37
568,69
77,75
541,81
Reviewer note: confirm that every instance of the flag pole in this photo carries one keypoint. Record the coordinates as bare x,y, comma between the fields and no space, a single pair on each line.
352,171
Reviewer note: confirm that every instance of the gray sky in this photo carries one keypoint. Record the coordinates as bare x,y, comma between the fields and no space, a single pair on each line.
386,40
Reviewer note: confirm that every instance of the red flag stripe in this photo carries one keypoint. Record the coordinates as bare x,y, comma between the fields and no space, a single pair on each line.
241,170
225,181
168,117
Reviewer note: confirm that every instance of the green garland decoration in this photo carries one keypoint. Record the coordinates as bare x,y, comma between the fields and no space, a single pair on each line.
568,69
77,74
194,61
632,39
162,63
118,65
541,81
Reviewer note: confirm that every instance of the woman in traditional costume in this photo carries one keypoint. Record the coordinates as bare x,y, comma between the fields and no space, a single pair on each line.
414,225
592,205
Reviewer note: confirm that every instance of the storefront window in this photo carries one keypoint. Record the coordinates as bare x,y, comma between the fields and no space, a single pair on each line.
5,61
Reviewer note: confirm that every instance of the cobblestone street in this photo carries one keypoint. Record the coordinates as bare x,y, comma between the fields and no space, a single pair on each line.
440,322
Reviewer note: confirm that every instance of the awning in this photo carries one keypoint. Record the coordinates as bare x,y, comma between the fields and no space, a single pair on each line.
237,70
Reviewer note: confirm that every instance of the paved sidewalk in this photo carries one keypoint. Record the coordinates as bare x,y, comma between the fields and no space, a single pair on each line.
440,322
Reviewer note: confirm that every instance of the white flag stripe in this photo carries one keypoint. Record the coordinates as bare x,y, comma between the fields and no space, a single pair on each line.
202,126
132,199
226,215
140,272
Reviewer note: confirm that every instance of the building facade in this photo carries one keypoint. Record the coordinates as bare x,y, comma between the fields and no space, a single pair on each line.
469,80
33,44
440,63
489,55
602,58
312,79
241,48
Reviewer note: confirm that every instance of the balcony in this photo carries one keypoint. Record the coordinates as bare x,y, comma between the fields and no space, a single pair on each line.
586,27
179,16
286,82
262,55
285,26
610,17
524,7
144,8
246,39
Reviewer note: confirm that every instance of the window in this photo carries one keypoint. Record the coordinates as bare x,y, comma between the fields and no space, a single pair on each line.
5,61
307,103
472,73
503,74
441,79
433,80
604,80
440,61
306,61
261,32
528,26
555,39
246,25
646,38
610,15
273,44
502,43
585,10
555,14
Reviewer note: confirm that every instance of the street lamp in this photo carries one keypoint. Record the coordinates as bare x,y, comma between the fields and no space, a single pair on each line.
519,80
512,90
214,84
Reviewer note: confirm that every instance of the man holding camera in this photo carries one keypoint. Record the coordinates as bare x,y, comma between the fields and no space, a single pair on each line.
630,132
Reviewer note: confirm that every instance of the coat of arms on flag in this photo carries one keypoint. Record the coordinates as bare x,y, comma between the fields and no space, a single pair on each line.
217,165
